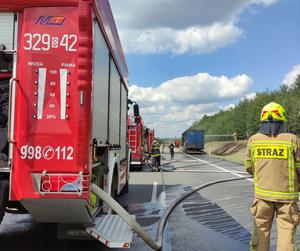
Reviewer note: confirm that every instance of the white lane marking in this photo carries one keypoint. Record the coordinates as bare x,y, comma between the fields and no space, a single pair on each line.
154,193
41,92
63,92
207,171
163,199
221,168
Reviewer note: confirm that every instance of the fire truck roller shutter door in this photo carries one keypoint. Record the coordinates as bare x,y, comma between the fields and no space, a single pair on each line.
7,29
114,105
100,90
123,121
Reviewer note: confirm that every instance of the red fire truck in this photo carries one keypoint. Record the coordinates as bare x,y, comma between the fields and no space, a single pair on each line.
63,65
177,143
140,139
136,135
149,137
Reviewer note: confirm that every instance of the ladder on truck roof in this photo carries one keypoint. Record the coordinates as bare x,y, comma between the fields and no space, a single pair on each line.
132,138
112,231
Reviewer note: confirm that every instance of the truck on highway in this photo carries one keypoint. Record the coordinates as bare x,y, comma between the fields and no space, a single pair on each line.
193,141
63,114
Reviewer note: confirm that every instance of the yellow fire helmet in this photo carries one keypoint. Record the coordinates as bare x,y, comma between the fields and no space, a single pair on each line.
276,111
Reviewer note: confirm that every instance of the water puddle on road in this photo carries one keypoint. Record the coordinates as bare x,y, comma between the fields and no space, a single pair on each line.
148,215
209,214
200,224
196,214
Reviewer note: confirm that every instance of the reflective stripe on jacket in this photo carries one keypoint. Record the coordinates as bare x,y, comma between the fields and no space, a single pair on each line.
273,161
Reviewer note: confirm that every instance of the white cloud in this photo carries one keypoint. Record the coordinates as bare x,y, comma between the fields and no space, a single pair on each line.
291,76
196,39
176,104
229,107
249,96
180,26
197,89
265,2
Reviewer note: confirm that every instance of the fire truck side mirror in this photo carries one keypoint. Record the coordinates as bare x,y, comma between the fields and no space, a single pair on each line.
136,110
129,102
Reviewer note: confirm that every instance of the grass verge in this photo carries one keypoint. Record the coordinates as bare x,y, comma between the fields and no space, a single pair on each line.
237,157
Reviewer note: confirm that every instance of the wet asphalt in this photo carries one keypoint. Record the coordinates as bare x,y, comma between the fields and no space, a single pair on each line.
215,218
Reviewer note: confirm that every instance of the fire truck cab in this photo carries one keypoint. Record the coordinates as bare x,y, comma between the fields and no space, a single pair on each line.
63,113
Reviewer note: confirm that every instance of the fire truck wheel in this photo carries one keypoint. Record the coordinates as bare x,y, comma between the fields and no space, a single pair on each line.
140,167
125,189
114,185
131,168
3,197
113,193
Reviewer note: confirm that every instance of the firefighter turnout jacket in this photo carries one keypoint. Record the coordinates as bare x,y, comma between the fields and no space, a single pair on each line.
274,162
155,152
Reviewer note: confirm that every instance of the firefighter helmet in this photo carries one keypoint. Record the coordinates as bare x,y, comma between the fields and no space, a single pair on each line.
273,111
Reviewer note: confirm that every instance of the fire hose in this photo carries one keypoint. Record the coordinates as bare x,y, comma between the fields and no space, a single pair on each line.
154,244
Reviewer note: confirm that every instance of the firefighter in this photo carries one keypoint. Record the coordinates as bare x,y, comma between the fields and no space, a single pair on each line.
155,153
235,136
171,148
273,157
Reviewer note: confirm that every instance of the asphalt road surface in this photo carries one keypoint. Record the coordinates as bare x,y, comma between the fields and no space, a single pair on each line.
213,219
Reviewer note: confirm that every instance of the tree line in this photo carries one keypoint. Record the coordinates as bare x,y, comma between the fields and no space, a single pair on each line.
244,118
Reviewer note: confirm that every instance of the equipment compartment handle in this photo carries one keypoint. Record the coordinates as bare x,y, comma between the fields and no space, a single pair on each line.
11,111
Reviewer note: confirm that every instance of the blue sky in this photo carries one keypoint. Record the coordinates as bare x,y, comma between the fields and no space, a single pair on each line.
183,66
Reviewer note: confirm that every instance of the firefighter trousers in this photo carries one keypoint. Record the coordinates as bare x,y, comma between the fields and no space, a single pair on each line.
287,218
156,161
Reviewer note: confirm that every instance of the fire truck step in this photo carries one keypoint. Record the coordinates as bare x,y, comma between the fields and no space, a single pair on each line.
112,231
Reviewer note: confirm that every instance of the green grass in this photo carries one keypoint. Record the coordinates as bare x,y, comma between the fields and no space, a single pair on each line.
237,157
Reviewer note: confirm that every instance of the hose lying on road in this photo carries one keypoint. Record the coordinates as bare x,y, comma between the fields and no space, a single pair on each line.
154,244
125,216
169,210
